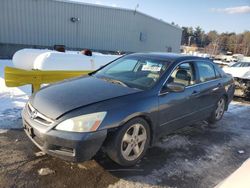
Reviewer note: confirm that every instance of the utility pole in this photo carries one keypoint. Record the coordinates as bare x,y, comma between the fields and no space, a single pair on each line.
136,7
189,40
215,45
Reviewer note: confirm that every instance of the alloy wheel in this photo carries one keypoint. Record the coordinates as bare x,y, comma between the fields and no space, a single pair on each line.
220,109
133,142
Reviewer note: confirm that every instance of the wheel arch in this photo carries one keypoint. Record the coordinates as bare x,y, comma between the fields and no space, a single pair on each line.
150,124
226,98
145,117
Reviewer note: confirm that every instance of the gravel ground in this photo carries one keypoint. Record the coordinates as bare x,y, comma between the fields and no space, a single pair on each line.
196,156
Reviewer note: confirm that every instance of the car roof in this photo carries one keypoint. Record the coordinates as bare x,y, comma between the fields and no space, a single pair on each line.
172,57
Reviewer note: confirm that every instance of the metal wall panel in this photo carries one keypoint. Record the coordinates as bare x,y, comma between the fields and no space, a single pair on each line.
47,22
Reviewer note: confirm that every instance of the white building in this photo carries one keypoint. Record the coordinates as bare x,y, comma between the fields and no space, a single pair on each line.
44,23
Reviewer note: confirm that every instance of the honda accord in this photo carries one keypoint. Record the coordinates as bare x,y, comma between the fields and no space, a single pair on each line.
126,106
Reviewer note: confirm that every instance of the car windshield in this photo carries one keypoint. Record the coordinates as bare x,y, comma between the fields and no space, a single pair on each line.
241,64
135,72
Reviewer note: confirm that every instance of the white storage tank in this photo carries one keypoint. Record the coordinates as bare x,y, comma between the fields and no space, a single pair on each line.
25,58
29,59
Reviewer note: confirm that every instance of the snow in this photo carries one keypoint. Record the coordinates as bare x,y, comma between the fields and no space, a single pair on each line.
3,131
12,100
11,97
128,184
45,171
174,142
236,108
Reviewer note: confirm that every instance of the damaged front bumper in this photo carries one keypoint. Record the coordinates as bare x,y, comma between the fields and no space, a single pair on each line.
69,146
242,87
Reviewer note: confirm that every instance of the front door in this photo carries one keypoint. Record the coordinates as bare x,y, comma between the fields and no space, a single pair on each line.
177,109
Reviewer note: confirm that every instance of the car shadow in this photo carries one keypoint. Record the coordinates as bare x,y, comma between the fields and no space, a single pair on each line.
164,162
180,160
196,156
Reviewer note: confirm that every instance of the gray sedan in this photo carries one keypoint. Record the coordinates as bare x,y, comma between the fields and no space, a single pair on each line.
126,106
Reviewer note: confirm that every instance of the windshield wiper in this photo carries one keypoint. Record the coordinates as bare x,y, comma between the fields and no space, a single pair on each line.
115,81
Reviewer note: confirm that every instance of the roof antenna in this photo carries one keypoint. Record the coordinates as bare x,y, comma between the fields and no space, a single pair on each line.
136,7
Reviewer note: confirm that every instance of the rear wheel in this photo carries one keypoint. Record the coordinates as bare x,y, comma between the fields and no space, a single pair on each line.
129,143
218,112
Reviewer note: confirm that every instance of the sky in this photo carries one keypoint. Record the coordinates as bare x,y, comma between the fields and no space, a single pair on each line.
219,15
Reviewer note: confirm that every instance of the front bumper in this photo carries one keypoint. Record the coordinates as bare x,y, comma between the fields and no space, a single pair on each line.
242,87
70,146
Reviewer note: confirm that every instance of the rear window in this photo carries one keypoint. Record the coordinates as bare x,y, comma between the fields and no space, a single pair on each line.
206,71
241,64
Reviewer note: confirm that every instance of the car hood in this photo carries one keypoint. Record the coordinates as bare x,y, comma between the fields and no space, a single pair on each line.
239,72
57,99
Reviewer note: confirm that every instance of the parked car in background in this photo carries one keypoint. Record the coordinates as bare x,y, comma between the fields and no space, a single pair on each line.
241,73
227,60
126,106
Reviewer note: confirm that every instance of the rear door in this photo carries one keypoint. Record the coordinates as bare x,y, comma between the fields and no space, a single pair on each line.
211,87
177,109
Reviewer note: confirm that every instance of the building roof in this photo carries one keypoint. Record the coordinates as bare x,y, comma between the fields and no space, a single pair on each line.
118,8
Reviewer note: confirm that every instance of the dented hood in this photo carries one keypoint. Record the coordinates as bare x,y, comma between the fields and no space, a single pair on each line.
58,99
239,72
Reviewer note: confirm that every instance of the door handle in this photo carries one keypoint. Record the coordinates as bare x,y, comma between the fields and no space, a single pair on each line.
195,92
219,85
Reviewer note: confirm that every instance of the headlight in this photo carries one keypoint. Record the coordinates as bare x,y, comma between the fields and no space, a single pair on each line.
84,123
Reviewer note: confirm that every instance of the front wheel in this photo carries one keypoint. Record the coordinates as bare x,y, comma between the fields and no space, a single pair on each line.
218,112
128,145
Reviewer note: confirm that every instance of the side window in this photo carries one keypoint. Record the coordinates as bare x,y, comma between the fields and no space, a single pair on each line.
183,74
206,71
218,71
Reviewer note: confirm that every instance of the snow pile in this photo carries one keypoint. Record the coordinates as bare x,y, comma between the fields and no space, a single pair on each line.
174,142
12,100
135,184
52,60
45,171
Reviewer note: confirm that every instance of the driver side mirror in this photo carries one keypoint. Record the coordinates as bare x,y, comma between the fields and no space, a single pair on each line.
173,87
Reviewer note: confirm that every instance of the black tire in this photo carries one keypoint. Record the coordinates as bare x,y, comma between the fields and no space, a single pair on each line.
215,117
113,145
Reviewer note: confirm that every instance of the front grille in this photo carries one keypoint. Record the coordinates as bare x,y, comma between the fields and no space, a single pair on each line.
38,117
